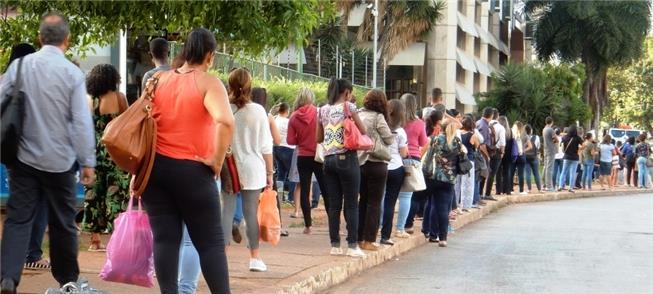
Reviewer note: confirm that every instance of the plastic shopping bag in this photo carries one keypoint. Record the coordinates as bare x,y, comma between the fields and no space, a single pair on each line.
269,222
129,252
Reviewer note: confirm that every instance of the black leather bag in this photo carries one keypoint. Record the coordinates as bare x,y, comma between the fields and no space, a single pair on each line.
464,165
12,115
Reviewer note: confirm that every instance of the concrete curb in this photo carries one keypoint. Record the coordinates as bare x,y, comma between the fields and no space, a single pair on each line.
343,271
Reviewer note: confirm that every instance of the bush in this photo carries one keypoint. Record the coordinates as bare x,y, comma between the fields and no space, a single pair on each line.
284,90
530,93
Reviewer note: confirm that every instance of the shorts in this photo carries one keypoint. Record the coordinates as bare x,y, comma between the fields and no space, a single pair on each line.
606,168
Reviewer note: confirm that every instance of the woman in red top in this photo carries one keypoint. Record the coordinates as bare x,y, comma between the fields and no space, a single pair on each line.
302,132
194,128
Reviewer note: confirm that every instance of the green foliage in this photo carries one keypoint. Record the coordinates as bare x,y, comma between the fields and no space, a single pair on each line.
529,94
252,26
631,93
600,34
280,89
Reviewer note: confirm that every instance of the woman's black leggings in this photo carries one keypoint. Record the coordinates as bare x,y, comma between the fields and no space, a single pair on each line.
185,191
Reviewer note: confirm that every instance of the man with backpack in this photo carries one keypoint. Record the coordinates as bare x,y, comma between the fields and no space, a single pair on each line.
56,142
489,149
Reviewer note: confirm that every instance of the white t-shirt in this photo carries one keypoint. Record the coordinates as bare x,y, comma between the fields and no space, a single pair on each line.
282,125
401,141
606,152
252,138
561,150
500,133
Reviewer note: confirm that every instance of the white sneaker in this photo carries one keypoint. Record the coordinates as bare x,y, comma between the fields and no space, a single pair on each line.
402,234
257,265
356,252
336,251
523,193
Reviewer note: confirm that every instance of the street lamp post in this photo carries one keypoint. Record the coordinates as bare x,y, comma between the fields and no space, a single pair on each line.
375,13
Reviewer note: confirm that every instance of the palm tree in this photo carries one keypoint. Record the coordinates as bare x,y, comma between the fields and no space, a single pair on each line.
598,33
401,22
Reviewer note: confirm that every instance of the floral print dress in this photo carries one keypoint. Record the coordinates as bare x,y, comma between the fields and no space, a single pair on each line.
110,194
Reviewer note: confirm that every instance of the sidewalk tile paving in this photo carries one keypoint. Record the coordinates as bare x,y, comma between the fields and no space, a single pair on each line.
300,263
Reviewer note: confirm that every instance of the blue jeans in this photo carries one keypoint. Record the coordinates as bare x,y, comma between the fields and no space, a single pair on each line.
282,161
533,167
588,173
557,168
239,210
642,173
189,265
568,172
35,249
404,208
440,196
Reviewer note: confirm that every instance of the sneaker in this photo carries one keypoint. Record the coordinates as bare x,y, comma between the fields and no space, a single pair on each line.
491,198
41,264
257,265
387,242
355,252
336,251
402,234
523,193
442,243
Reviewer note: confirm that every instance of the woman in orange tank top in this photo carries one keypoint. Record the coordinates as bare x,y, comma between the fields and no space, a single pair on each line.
194,129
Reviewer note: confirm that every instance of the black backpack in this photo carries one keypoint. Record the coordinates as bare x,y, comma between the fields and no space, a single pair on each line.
492,145
533,152
12,114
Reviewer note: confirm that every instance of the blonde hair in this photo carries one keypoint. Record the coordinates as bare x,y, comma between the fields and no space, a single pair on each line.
450,127
304,97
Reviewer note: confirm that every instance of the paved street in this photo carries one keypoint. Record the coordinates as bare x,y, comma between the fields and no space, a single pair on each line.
596,245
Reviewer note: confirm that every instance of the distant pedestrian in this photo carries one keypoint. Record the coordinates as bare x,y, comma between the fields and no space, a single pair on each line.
505,176
628,152
588,152
571,144
643,151
57,142
523,143
160,52
606,151
532,156
550,145
110,194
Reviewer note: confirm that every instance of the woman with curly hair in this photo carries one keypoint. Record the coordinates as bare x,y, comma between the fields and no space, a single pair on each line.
374,168
110,194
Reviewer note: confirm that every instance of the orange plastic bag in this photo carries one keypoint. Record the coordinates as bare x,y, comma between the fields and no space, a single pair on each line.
269,223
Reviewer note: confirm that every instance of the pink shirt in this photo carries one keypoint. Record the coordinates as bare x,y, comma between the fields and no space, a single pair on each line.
416,132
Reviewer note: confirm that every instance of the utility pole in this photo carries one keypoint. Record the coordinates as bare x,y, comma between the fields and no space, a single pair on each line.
375,13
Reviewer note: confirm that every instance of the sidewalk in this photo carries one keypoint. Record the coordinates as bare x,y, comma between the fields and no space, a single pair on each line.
300,263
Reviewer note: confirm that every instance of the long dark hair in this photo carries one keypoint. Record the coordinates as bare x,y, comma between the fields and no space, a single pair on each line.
200,42
434,118
396,114
260,96
337,87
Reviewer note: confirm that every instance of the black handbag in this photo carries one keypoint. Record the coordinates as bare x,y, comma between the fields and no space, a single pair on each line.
13,113
464,165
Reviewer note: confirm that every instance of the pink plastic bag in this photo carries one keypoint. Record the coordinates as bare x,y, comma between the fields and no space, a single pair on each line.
129,252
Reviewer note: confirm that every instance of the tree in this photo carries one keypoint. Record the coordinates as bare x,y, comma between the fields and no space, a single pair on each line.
530,93
600,34
401,22
631,93
251,26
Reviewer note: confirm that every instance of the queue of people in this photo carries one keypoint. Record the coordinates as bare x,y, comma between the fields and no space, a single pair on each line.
461,159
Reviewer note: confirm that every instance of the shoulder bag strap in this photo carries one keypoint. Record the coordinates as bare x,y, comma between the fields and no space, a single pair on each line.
151,87
19,81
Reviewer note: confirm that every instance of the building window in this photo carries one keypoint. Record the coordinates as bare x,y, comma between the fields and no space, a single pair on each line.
477,47
477,82
477,13
461,39
461,6
460,74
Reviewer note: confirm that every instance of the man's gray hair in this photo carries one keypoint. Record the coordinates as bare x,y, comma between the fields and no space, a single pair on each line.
54,28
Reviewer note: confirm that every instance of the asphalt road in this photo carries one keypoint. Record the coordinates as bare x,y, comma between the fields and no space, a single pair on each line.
595,245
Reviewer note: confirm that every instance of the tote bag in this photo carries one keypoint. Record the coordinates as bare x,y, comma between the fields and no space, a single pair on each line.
354,140
414,179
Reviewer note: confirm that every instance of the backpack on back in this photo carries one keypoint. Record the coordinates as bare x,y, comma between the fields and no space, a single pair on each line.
533,152
492,145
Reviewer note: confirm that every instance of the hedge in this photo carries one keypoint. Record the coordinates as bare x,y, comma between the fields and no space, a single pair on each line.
280,89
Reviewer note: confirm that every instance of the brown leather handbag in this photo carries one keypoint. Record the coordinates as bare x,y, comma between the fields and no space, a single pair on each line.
130,138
